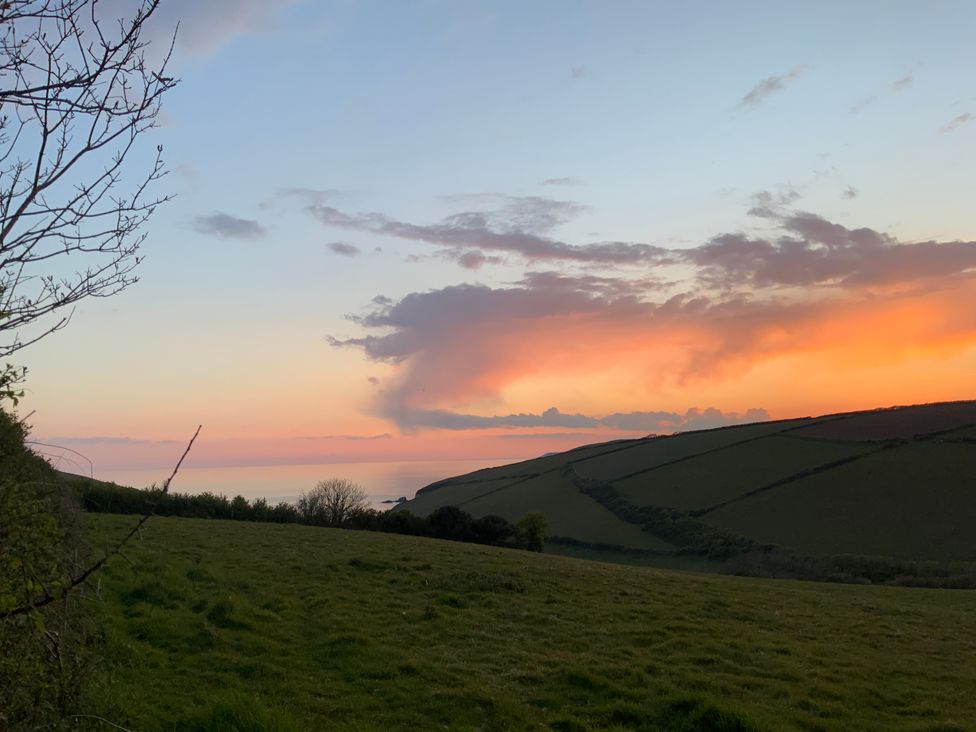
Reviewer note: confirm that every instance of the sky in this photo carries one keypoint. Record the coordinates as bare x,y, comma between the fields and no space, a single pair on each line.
460,229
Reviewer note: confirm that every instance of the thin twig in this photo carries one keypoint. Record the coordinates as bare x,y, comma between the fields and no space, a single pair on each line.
182,458
48,597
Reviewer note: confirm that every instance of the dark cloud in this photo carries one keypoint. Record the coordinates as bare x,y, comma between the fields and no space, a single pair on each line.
771,205
769,86
607,287
473,259
868,101
819,230
817,252
565,181
226,226
693,419
545,436
346,250
956,122
533,214
412,419
464,343
657,422
903,83
807,250
518,226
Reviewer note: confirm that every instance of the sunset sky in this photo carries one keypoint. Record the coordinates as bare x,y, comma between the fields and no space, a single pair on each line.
441,229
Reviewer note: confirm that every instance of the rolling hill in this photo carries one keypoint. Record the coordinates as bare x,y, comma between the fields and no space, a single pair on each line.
897,482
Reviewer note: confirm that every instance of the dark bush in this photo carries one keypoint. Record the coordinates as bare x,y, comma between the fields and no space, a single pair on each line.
41,673
491,530
450,522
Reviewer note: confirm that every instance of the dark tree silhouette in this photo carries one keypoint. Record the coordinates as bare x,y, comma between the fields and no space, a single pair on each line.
332,502
76,93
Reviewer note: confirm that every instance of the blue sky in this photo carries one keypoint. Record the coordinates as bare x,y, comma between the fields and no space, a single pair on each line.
644,122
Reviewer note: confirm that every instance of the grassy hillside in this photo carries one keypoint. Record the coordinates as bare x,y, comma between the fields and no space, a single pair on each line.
897,483
231,625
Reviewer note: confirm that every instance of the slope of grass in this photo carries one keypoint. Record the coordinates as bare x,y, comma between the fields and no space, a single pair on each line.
898,423
913,502
718,476
462,492
652,453
537,466
568,512
868,482
220,625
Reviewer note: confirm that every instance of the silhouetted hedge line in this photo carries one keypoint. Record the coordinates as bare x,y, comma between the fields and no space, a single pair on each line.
688,534
447,522
854,568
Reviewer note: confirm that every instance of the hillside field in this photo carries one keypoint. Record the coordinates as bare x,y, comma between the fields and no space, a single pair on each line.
225,625
897,483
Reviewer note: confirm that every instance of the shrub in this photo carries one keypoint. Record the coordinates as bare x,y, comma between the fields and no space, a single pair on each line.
450,522
40,672
530,532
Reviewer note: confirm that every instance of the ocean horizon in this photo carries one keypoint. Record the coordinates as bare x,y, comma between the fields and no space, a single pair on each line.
383,481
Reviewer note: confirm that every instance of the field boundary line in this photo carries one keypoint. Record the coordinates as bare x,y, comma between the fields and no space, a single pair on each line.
665,464
795,477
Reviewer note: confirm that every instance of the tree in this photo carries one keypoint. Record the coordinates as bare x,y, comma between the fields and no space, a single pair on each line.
492,529
76,93
332,502
530,532
450,522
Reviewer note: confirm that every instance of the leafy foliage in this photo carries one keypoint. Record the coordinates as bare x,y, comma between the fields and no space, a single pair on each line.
43,653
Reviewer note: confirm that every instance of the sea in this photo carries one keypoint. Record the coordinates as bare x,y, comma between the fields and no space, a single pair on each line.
383,481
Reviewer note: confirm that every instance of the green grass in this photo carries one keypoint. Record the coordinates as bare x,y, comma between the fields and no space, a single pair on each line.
559,460
965,432
914,502
662,450
719,476
221,625
895,483
461,493
900,422
568,512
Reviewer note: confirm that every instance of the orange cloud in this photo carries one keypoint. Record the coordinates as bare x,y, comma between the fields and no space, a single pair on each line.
463,344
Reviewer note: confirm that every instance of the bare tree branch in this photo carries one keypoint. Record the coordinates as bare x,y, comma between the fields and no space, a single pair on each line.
75,98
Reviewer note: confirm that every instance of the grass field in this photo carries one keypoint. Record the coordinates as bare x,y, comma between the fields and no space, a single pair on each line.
901,423
563,506
663,450
908,503
897,483
718,476
222,625
552,462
